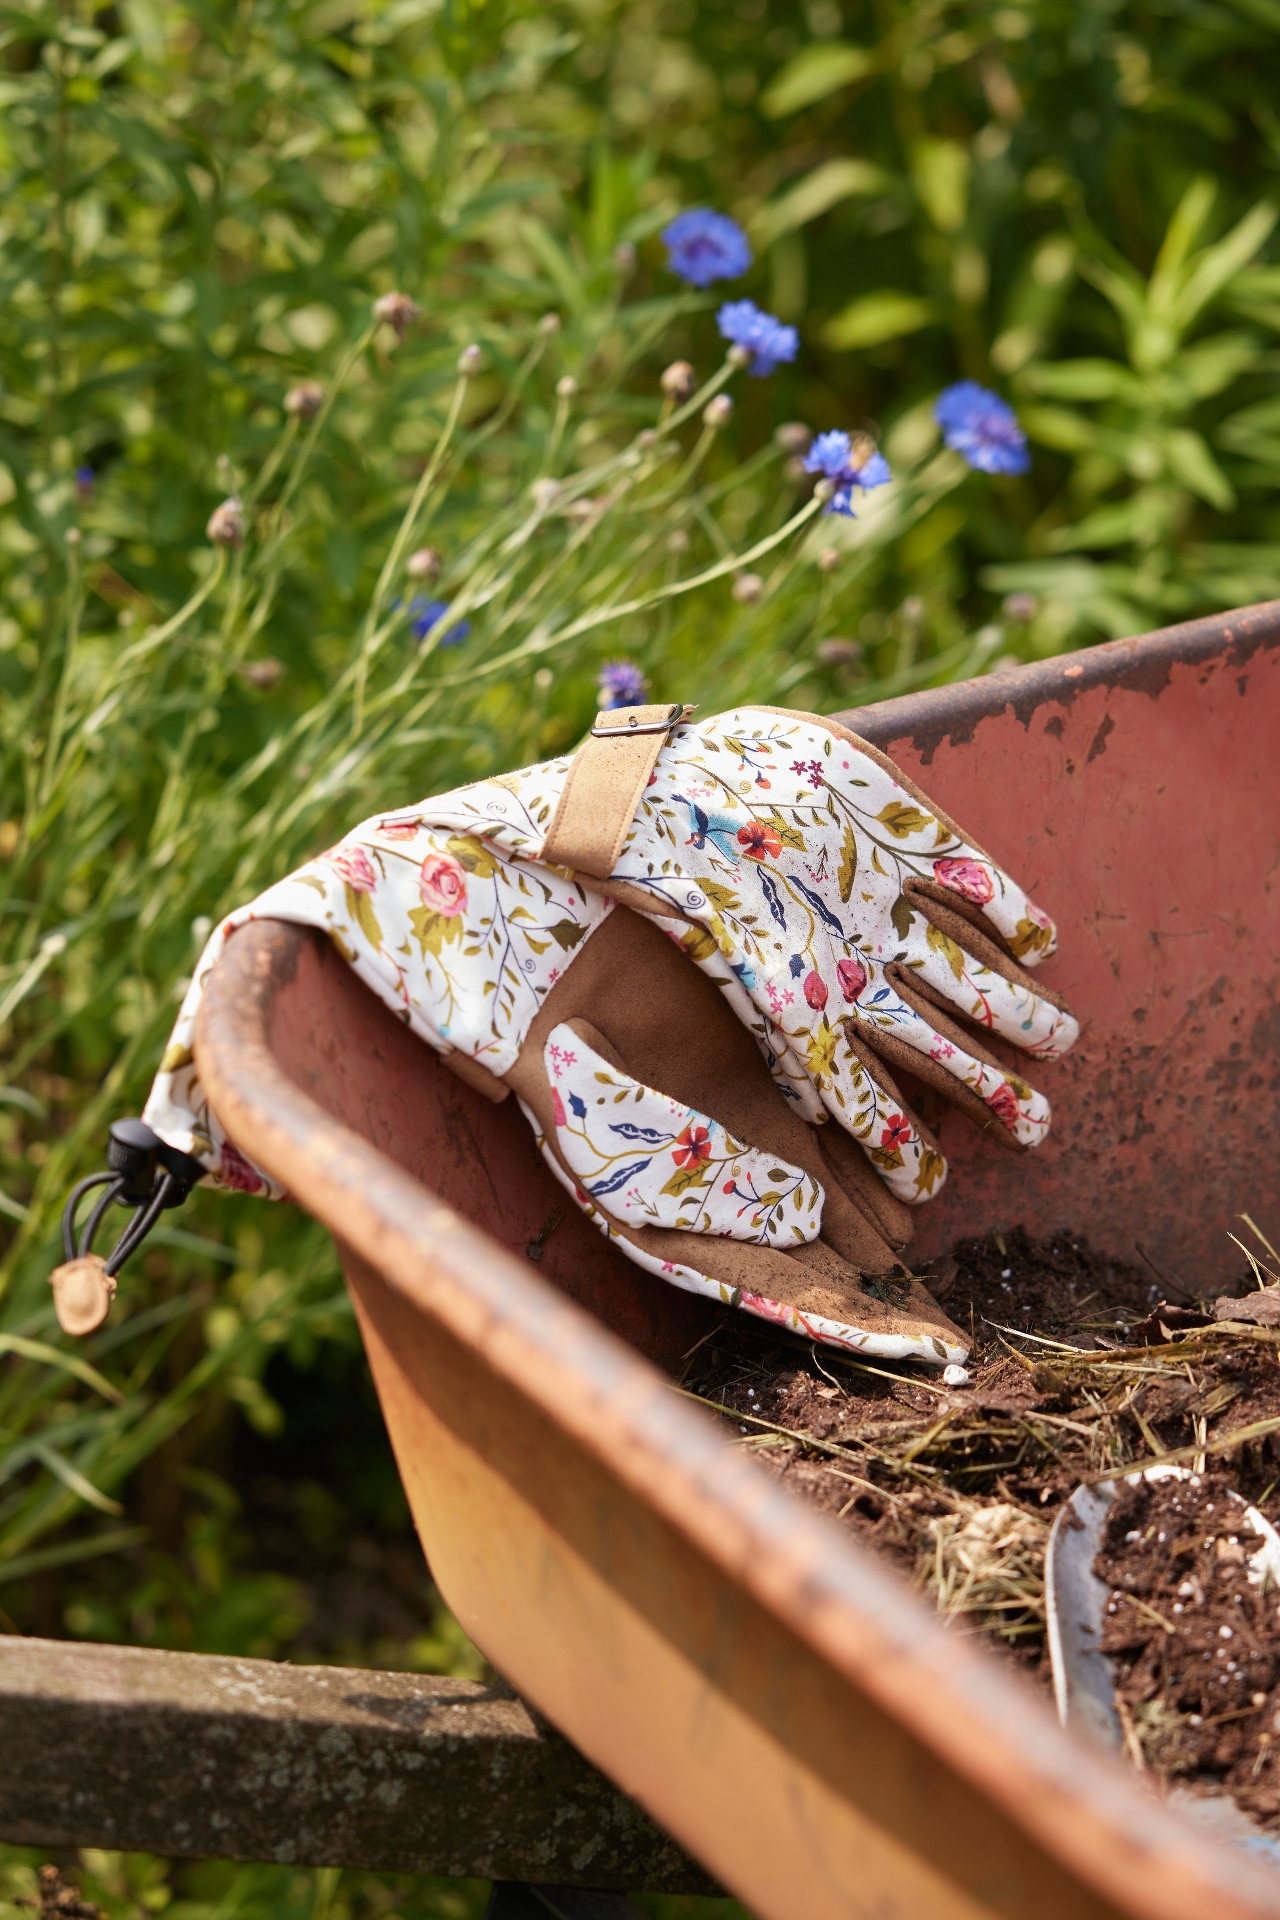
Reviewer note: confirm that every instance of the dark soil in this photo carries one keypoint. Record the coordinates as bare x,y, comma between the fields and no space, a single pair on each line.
958,1488
1196,1641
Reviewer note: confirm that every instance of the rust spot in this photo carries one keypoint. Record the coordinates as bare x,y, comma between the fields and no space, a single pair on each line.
1099,742
1143,664
1056,725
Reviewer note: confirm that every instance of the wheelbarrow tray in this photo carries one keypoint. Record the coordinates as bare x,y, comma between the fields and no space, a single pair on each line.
780,1701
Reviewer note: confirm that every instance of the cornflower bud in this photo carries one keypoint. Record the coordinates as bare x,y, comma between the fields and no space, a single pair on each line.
397,311
718,412
793,436
73,536
624,257
646,438
678,541
84,483
226,524
1021,607
545,494
470,360
549,323
306,400
839,652
543,679
824,490
566,387
828,560
747,588
677,380
425,564
739,357
263,673
913,609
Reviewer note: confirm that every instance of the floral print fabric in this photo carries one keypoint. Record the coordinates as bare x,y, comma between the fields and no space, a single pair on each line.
650,1160
463,945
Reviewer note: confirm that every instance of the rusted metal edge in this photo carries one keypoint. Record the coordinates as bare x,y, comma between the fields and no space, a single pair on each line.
1082,1809
194,1754
1139,665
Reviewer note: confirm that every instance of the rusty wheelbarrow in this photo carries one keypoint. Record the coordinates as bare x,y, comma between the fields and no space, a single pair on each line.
776,1698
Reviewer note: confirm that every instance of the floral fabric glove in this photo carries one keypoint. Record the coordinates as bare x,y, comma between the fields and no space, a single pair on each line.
646,1096
852,925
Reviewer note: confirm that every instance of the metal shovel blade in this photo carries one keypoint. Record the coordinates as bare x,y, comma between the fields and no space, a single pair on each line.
1083,1676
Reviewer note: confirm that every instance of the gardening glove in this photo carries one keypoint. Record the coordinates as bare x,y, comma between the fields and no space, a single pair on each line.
647,1097
854,928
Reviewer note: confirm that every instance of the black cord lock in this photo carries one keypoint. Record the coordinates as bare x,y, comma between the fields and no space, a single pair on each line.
144,1173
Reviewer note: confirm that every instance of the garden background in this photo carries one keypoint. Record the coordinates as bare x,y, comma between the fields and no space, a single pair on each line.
1069,201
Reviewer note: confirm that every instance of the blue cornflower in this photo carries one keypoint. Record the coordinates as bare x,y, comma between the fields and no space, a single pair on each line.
621,684
84,482
982,427
703,246
765,339
835,456
424,613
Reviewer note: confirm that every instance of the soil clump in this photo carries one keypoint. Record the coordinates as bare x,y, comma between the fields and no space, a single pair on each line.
1193,1627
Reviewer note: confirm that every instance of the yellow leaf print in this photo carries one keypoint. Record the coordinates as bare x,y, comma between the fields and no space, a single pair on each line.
1030,938
821,1052
848,864
902,820
473,855
951,953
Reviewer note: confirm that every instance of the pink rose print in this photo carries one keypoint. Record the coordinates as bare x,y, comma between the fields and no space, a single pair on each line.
399,829
897,1131
236,1171
968,878
1004,1104
815,991
852,976
356,868
692,1147
443,885
759,842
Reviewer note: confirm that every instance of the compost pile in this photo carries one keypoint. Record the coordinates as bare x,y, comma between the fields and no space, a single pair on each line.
1074,1376
1192,1625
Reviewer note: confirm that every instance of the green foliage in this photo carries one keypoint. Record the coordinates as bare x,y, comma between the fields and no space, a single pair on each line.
1071,203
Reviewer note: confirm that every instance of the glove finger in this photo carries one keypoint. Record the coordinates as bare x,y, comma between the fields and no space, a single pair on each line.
785,1065
859,1092
919,1038
812,1292
964,971
649,1159
964,872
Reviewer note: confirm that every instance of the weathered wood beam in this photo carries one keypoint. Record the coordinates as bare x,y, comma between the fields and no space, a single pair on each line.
197,1755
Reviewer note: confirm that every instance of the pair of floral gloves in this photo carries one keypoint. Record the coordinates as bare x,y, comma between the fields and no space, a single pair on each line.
703,1036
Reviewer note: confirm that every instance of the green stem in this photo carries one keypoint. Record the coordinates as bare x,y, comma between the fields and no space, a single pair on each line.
75,606
370,635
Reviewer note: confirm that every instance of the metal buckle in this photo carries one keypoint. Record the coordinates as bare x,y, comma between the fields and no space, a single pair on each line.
633,728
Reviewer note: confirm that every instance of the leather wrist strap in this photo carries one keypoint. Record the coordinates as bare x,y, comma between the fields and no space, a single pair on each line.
609,774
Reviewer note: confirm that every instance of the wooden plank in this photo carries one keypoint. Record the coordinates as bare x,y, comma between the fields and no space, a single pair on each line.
194,1754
